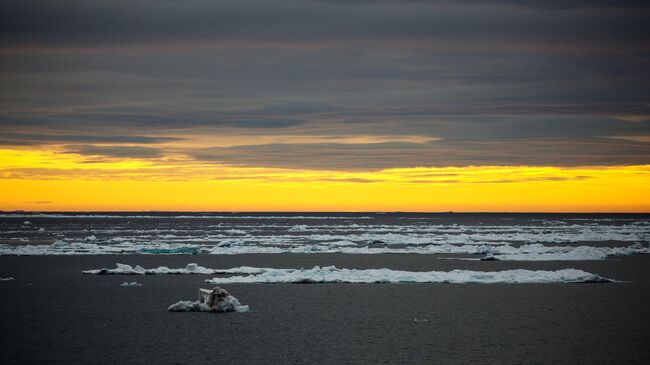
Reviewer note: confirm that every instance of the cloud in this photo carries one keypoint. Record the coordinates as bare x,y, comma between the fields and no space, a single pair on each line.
493,82
93,24
115,151
8,138
378,156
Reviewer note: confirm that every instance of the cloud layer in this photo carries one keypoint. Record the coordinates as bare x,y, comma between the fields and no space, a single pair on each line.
336,85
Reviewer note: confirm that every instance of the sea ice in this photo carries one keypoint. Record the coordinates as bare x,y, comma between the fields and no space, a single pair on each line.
215,300
567,253
181,250
331,274
189,306
235,231
132,283
298,228
192,268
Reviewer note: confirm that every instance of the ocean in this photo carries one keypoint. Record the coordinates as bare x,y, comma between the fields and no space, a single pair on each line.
387,288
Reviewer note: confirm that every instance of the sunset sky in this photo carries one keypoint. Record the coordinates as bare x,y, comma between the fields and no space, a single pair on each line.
299,105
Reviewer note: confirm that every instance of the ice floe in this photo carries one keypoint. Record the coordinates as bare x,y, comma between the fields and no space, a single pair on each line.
565,253
7,279
181,250
132,283
331,274
123,269
298,228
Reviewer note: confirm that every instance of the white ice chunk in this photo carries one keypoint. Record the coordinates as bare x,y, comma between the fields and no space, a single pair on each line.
298,228
215,300
332,274
7,279
189,306
132,283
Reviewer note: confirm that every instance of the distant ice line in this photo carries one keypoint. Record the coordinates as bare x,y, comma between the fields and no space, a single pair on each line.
72,216
530,252
392,236
331,274
240,237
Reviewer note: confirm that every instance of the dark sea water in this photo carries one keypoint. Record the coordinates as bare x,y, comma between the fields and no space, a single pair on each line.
52,313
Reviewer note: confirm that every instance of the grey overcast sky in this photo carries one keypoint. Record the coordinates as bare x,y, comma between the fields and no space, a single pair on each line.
341,85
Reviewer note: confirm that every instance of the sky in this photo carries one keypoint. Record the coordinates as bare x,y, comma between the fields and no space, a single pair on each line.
325,105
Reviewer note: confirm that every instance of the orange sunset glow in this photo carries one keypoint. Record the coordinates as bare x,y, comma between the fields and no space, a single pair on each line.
46,180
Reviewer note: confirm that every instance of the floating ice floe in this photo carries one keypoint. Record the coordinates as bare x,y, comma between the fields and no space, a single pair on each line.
7,279
60,247
331,274
123,269
580,253
210,300
179,250
298,228
132,283
235,231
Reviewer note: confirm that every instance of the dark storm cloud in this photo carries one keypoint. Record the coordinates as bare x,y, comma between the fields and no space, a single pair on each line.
36,139
96,23
126,120
115,151
494,82
376,156
541,4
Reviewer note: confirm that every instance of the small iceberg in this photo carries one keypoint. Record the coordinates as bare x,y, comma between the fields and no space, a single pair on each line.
7,279
210,300
132,283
